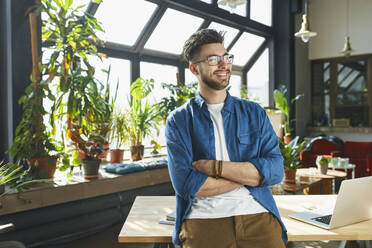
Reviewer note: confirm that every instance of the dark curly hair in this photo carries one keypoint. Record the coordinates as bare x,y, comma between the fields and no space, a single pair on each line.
202,37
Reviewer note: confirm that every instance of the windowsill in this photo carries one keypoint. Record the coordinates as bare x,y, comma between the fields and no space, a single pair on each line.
77,188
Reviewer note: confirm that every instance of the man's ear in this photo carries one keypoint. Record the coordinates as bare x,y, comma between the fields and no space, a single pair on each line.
194,69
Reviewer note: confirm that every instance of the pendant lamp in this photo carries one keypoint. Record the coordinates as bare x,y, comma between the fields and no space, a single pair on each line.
305,33
347,47
231,3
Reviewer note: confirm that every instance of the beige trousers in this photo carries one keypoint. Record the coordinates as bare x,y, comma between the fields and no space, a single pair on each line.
243,231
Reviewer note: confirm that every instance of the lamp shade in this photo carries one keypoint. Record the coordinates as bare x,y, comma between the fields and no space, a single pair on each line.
305,33
231,3
347,47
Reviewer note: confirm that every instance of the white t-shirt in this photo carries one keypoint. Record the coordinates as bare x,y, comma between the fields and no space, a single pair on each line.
236,202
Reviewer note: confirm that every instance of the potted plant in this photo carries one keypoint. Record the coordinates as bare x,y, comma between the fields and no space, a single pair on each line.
118,137
32,143
291,158
71,35
322,162
143,118
17,178
282,104
89,141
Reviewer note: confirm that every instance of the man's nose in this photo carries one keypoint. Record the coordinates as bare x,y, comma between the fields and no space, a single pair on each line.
222,63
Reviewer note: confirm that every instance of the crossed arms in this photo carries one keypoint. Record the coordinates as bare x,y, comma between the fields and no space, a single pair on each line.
234,175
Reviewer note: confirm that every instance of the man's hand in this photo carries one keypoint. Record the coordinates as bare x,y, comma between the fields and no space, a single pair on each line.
204,166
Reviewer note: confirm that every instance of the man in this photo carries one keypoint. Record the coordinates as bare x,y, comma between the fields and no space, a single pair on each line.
223,155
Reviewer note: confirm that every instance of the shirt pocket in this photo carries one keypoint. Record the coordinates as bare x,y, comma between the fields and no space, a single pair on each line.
248,144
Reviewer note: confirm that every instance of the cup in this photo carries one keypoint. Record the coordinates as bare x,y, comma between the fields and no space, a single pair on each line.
334,161
343,162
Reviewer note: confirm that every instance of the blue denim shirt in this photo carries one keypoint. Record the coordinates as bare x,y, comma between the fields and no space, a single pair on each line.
249,137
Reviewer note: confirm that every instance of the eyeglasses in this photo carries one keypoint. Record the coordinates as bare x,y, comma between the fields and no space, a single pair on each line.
216,59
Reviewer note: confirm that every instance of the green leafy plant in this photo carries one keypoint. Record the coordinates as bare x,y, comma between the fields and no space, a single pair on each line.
71,36
118,131
179,95
291,153
156,147
323,159
32,140
143,117
282,104
17,177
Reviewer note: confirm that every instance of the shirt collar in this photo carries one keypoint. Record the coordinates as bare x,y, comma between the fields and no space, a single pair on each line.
228,102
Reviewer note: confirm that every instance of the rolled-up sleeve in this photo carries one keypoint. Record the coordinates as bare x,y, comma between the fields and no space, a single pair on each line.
270,161
185,180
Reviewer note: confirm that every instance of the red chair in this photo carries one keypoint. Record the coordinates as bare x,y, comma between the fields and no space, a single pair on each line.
360,154
322,145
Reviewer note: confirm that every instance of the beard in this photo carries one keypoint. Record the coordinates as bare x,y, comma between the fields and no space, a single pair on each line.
215,84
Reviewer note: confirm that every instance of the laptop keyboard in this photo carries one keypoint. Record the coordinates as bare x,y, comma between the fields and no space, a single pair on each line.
326,219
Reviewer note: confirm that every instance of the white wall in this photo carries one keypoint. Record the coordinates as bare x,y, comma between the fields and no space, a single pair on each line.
328,19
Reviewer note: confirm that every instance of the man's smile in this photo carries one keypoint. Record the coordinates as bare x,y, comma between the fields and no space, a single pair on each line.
222,74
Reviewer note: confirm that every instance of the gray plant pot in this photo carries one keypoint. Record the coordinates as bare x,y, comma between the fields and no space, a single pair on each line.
323,168
91,167
2,188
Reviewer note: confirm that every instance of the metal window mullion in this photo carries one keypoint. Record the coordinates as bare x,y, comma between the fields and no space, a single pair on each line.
256,55
149,28
233,42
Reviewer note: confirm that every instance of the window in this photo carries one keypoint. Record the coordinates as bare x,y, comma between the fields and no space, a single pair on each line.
235,83
230,32
123,22
170,37
261,11
258,80
339,91
245,47
161,74
119,74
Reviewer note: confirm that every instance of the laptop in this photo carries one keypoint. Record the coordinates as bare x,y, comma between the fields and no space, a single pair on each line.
353,204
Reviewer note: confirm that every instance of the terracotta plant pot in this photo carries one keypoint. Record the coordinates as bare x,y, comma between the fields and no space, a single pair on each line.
287,139
116,156
137,152
43,167
290,176
91,168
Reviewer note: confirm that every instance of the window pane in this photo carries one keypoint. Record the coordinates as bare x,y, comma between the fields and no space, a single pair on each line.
189,77
169,36
230,32
239,10
258,80
261,11
160,74
119,73
235,83
123,22
245,47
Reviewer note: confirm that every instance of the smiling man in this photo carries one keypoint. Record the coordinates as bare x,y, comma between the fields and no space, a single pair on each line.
223,155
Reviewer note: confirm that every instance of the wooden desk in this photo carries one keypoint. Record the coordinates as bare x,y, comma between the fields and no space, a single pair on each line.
141,225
